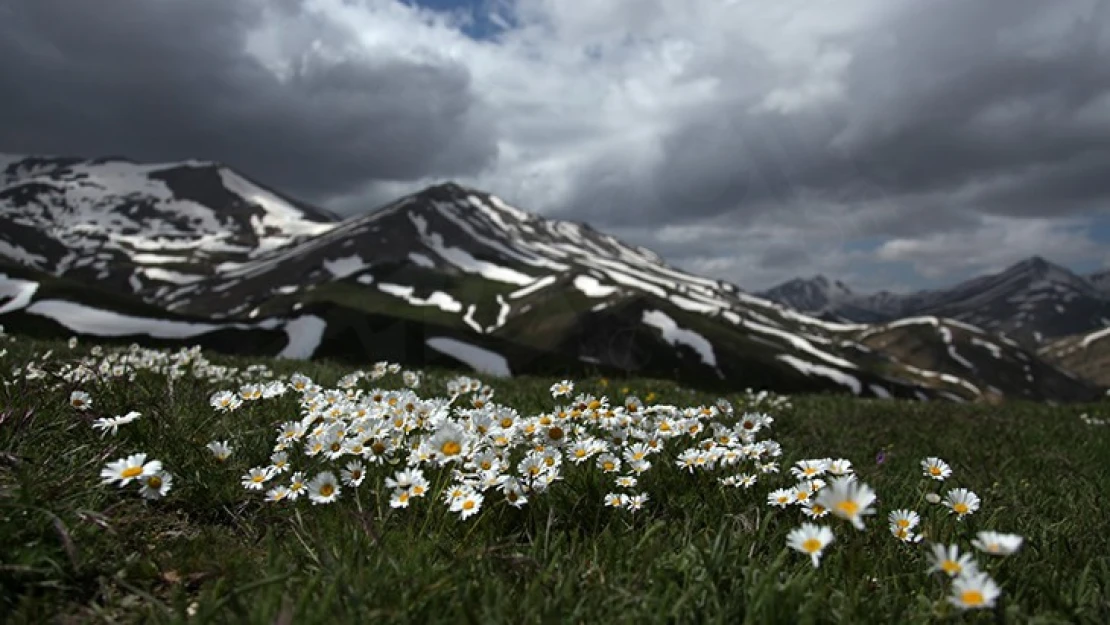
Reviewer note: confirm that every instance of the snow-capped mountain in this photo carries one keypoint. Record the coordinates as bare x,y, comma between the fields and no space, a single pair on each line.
832,299
140,226
1032,302
1100,280
195,252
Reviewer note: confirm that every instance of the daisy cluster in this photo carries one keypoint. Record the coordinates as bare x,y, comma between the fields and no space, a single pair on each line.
467,451
102,365
1089,420
845,497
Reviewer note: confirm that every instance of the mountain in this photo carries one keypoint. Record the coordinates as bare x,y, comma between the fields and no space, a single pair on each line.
194,252
834,300
1100,280
1032,302
1087,355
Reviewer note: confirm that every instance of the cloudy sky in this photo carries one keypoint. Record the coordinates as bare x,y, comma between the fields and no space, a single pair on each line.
890,143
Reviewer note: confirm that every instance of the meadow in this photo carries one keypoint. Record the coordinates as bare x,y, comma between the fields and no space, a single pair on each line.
304,492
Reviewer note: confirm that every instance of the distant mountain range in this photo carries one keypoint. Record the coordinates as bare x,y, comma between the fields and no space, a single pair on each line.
195,253
1033,302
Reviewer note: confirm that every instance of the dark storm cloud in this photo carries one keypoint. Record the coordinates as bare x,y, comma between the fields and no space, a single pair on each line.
950,110
158,80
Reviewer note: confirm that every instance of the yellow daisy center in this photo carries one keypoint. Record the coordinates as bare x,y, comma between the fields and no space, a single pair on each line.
154,482
848,507
259,478
451,448
608,466
468,504
961,508
327,490
811,545
802,495
903,523
934,470
971,597
131,472
951,567
555,433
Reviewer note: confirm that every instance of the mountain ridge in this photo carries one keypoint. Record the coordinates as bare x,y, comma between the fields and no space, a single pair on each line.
447,272
1033,301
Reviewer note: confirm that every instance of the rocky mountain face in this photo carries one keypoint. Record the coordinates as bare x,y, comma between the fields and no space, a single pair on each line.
193,252
1032,302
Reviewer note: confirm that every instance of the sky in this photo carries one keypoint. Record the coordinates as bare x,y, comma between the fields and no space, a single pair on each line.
893,144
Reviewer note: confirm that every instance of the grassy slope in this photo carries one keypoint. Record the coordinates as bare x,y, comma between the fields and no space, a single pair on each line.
71,547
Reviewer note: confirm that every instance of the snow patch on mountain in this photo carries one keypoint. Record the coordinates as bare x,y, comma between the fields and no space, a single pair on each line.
812,368
305,334
539,284
479,359
592,287
340,268
17,293
97,322
463,260
439,299
676,335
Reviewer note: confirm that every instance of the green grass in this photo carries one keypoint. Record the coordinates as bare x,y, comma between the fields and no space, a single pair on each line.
74,550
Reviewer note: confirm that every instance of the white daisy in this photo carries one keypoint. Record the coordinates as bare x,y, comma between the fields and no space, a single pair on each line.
811,540
130,468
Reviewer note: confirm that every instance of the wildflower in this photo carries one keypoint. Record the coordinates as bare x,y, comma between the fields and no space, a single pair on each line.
840,466
635,503
615,500
111,424
156,485
468,504
449,442
220,449
961,501
297,485
932,498
279,462
278,493
130,468
996,543
904,519
626,481
811,540
353,474
781,497
399,499
323,488
225,401
608,463
936,468
411,379
814,510
562,389
949,560
848,499
80,400
808,469
256,478
974,590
